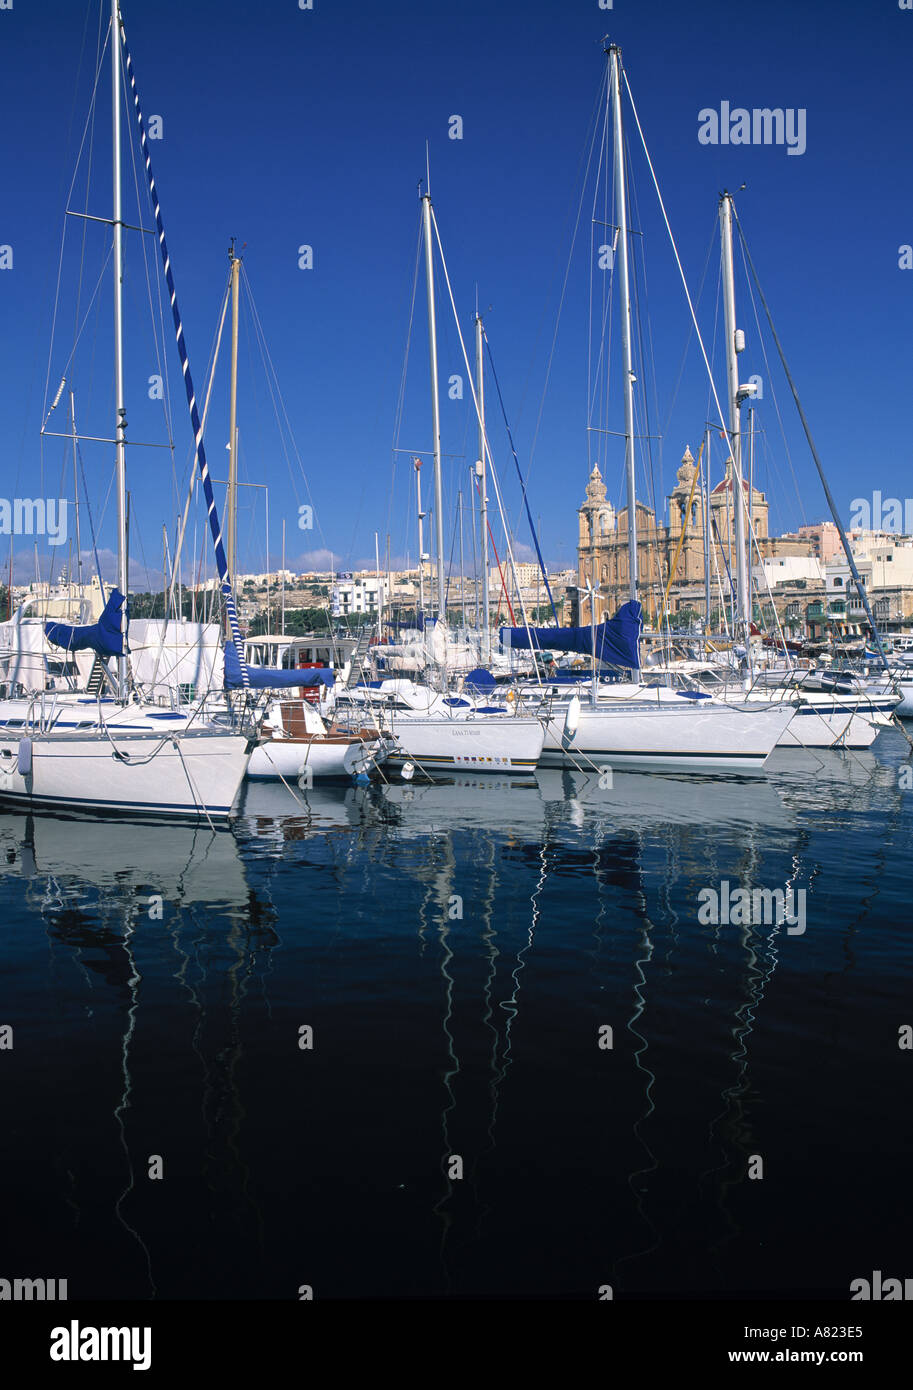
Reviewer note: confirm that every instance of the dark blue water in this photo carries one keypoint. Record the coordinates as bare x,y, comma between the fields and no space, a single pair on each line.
143,1029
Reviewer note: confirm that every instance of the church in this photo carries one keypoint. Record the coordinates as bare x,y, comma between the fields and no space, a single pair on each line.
602,548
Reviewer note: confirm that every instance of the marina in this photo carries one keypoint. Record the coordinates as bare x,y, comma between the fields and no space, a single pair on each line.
436,1033
443,887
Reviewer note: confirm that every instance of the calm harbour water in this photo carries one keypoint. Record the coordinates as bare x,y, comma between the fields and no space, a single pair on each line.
142,1030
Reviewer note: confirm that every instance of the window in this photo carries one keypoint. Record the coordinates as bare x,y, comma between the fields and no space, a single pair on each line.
838,581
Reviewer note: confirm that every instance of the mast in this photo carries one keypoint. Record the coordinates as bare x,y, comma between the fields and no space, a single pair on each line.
120,425
435,409
735,342
750,475
231,498
76,495
482,477
421,543
539,575
621,209
705,499
283,575
462,586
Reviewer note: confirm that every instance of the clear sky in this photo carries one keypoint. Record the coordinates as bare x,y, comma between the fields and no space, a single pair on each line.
285,127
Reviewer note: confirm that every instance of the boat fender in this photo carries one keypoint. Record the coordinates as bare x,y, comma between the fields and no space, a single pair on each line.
24,757
511,697
572,718
407,772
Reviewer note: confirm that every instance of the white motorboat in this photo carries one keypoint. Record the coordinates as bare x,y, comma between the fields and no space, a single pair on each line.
299,746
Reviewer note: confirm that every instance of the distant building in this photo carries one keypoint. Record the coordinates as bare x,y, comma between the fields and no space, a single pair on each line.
358,595
824,538
602,551
788,569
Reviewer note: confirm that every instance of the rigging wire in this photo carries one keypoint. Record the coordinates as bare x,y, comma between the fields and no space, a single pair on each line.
770,381
564,284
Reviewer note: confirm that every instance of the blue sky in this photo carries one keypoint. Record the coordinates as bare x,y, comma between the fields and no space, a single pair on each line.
285,127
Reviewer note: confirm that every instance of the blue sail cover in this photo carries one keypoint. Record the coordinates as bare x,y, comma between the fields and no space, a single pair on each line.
617,639
269,678
105,636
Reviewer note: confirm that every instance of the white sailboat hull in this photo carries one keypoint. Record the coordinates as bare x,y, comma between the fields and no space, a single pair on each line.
494,743
905,708
700,737
823,721
198,774
812,727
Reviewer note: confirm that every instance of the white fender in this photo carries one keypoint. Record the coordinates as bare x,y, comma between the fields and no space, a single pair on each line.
572,718
24,757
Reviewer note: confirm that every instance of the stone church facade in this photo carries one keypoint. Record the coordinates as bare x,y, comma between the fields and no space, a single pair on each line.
602,550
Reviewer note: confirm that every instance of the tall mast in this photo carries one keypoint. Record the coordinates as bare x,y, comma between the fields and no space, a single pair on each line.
750,475
734,344
421,542
621,211
435,409
482,476
231,498
462,587
76,494
119,410
705,498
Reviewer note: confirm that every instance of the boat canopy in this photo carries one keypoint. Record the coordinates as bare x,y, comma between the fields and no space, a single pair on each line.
105,636
268,678
617,639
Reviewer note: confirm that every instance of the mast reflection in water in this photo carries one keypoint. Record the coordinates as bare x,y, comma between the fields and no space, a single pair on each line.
454,954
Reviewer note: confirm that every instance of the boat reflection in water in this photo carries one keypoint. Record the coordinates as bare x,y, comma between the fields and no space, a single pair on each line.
493,803
135,945
360,1036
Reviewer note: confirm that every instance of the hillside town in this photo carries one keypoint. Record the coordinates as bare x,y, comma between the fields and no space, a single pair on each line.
801,581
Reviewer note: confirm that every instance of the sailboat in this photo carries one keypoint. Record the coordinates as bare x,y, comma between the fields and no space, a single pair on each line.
442,732
825,716
113,753
634,725
296,741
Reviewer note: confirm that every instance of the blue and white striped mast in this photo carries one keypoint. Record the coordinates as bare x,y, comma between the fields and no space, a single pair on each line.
225,582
